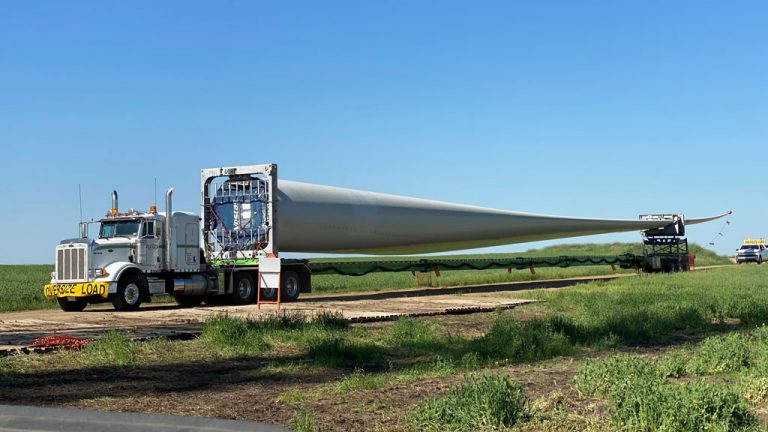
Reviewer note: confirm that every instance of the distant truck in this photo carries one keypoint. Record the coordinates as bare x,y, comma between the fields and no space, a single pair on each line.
752,250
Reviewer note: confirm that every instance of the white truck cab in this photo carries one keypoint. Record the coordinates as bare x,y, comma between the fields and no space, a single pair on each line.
135,255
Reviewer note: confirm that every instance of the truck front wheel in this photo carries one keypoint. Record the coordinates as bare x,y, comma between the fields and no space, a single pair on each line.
128,295
72,306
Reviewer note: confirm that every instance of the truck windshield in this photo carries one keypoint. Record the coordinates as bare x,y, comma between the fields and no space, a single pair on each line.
119,229
747,247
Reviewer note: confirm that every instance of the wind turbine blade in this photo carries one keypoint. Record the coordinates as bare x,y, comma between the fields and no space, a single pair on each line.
315,218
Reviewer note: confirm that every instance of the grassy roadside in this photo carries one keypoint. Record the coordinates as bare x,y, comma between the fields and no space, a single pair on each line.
705,368
21,285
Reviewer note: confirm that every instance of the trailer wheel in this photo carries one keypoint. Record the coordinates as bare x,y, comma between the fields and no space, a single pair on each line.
269,294
128,295
290,286
72,306
188,301
245,289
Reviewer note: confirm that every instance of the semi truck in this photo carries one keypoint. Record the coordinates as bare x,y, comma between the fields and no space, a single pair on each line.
230,253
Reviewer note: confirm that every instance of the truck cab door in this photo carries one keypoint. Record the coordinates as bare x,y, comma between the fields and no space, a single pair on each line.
150,252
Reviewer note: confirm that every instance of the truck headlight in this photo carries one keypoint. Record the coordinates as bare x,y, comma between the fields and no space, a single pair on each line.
100,272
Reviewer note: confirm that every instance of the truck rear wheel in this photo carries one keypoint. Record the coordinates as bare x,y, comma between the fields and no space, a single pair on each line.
290,286
244,289
128,295
76,305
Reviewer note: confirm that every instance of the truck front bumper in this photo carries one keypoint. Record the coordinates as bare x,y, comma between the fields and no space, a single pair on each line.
85,289
747,258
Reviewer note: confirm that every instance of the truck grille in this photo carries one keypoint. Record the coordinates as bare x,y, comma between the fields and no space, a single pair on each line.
70,264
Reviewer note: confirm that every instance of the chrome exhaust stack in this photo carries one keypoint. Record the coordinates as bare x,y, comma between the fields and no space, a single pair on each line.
114,202
168,228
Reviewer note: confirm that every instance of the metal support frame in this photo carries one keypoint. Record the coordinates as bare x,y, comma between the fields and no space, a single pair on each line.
242,191
665,249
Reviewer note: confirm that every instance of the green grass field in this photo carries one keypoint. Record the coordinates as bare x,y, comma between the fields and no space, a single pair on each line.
381,281
22,285
698,360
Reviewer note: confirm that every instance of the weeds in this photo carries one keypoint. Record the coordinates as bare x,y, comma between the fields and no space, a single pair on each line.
727,353
509,340
335,351
483,401
113,348
642,399
695,406
412,333
305,422
754,389
256,336
360,380
235,335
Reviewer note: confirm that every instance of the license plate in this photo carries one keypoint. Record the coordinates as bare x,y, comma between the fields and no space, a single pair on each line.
76,290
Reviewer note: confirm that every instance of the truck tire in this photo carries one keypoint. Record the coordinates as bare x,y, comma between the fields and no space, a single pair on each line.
72,306
244,290
188,301
290,286
129,291
269,294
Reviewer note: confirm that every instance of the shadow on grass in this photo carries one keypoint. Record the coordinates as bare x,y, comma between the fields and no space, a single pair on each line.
115,381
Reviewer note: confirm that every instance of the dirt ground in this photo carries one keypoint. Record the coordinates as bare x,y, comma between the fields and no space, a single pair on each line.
18,329
251,389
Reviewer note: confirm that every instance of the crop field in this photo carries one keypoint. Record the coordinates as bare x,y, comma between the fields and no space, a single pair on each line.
21,285
668,352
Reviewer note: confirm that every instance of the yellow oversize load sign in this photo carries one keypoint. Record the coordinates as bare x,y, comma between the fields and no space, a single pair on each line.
76,290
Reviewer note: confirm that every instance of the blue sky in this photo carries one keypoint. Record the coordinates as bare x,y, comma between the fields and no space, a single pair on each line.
595,109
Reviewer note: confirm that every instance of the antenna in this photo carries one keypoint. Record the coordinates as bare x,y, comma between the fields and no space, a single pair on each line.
155,192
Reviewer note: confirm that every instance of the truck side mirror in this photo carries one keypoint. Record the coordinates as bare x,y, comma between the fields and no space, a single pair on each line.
83,229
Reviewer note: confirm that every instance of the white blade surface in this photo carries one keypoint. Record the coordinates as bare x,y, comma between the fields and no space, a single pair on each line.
315,218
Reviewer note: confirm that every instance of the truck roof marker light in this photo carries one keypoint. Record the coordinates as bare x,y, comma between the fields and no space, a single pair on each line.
153,209
114,212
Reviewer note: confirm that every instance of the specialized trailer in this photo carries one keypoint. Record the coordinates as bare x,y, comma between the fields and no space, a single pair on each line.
665,249
231,253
